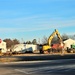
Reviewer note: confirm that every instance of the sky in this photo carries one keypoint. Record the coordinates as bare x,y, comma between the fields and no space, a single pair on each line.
33,19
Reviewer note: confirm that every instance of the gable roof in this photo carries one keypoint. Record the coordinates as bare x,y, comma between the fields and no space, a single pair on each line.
69,40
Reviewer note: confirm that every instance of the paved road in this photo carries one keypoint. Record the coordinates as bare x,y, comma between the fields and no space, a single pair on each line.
32,57
53,67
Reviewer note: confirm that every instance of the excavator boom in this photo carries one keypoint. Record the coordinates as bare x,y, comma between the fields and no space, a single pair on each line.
48,46
52,36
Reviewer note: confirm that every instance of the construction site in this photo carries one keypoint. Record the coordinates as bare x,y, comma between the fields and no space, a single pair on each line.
56,57
61,47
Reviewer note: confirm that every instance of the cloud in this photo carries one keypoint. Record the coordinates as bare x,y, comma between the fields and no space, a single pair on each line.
55,25
59,23
17,21
34,23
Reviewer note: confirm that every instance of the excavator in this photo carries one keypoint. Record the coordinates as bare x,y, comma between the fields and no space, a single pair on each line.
48,47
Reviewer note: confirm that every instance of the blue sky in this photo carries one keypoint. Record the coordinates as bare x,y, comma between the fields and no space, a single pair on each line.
33,19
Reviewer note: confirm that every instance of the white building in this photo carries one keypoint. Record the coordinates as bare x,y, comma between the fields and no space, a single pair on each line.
69,42
24,47
3,47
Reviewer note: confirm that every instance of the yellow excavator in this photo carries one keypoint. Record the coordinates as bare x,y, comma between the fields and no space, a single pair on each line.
47,48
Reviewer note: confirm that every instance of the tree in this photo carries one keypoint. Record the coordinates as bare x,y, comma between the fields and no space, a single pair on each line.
72,37
10,43
28,42
15,41
55,40
34,41
65,37
44,40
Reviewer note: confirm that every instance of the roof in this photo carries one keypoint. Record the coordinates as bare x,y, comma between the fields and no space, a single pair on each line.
69,41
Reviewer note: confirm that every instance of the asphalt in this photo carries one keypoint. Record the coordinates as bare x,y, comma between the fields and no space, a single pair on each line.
36,57
51,67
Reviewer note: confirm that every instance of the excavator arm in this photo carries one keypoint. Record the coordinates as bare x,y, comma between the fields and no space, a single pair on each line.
59,36
52,36
48,46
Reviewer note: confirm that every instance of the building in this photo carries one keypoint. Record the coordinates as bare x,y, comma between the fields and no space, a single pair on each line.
22,48
2,46
69,42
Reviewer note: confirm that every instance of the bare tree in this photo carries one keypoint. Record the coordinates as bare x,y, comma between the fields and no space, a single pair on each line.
15,41
72,37
65,37
10,43
44,40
